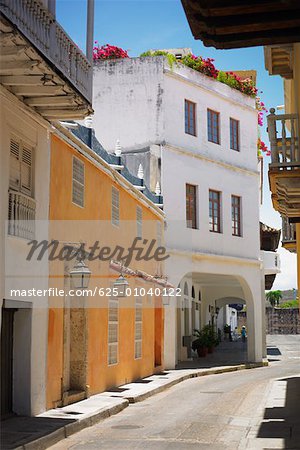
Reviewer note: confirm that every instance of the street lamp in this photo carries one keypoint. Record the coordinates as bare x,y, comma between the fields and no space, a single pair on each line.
121,284
80,275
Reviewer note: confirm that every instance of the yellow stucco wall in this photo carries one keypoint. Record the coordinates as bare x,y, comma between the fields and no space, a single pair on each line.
84,228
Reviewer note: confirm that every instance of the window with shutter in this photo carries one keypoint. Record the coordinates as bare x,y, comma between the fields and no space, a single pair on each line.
138,328
78,182
139,221
21,167
113,331
115,206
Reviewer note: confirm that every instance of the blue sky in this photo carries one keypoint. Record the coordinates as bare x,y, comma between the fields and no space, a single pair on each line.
140,25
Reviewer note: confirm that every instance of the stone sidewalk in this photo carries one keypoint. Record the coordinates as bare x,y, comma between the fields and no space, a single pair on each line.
42,431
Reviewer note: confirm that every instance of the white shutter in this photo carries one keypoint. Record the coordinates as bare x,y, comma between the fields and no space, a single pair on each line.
26,171
14,169
115,206
78,182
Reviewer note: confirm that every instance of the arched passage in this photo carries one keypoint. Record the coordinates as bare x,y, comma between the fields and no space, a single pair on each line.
216,291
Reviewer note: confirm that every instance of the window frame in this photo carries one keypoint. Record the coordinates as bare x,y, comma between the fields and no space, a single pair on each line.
115,301
74,181
236,225
210,126
234,137
212,202
192,131
194,220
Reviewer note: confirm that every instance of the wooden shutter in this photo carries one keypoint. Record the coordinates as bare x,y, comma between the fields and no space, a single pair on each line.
26,170
78,182
139,221
115,206
14,170
113,331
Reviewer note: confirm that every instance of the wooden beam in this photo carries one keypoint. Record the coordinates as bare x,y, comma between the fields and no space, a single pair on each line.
21,80
17,66
59,114
12,50
32,91
62,100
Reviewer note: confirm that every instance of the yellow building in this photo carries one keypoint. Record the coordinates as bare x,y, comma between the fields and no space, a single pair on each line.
97,342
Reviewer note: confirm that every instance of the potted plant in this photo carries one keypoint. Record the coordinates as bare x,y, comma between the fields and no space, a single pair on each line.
211,337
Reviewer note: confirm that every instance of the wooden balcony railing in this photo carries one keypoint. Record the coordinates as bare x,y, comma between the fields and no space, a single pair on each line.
38,25
21,215
288,231
283,132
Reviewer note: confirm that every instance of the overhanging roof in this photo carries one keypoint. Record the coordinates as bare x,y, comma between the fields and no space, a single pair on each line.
244,23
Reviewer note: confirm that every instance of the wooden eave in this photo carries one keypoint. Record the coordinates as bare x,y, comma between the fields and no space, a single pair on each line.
244,23
285,192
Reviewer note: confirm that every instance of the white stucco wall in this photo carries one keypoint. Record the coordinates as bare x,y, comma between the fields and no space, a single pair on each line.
141,102
31,322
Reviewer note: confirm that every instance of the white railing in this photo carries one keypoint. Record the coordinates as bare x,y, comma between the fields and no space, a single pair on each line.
21,215
41,29
288,231
283,132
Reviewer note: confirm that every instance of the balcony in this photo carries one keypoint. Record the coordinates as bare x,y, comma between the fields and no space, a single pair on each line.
40,64
21,215
271,262
284,169
288,235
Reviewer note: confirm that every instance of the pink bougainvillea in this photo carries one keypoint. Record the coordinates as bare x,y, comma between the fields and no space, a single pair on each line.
262,148
108,52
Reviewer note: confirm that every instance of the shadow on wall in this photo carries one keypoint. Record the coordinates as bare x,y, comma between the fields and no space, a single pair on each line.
283,422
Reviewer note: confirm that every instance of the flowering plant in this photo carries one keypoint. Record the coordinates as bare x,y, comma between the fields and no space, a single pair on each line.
262,148
108,52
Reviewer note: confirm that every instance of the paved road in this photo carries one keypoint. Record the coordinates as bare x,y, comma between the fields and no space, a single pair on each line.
251,409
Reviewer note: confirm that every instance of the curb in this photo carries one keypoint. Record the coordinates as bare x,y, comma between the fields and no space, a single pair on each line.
140,397
47,441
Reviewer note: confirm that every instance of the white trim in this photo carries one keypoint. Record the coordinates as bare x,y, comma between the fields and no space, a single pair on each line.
183,151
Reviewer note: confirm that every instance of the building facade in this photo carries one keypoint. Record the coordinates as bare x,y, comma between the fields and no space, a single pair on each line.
43,76
100,340
197,138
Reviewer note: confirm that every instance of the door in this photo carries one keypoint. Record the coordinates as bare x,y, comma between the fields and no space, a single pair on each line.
7,361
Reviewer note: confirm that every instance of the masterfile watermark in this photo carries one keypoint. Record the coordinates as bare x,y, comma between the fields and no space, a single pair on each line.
140,250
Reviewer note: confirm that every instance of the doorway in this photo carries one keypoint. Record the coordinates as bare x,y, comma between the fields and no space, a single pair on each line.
7,334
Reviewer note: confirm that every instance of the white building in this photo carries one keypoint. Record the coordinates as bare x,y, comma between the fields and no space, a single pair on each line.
39,83
197,137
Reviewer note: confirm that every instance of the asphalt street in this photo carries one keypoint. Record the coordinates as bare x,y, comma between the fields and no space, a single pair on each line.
249,409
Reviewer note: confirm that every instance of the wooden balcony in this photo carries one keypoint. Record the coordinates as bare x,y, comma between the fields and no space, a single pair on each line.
40,64
288,235
284,169
21,215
